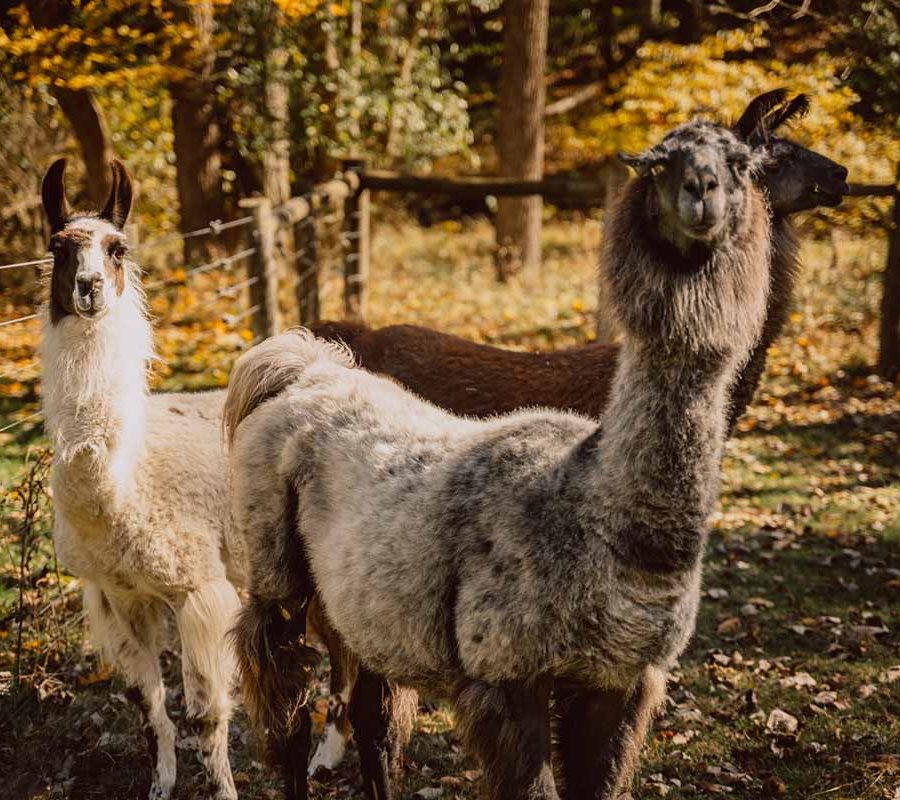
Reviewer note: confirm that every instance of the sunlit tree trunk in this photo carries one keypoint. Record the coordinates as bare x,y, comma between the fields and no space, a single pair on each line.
89,127
80,109
277,156
521,132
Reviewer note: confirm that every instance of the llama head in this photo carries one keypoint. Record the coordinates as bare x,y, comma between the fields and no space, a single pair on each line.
795,178
90,268
687,248
700,176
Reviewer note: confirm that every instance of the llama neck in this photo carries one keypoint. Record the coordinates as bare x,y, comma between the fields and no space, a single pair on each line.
95,388
782,278
657,457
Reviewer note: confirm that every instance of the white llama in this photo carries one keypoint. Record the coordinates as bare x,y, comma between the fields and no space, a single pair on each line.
139,484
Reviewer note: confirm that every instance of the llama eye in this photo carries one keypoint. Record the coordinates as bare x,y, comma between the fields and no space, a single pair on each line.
117,251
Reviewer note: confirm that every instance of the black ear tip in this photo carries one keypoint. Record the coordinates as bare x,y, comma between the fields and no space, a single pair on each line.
56,169
123,175
802,103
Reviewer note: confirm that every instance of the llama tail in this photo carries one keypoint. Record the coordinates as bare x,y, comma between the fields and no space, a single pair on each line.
266,370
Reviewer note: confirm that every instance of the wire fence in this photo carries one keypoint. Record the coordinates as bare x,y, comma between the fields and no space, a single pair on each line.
285,263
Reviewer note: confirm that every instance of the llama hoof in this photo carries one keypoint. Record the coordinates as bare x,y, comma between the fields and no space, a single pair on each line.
160,790
330,751
218,791
225,793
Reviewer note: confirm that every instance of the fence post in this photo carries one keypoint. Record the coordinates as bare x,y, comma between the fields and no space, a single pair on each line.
889,335
263,265
307,266
356,251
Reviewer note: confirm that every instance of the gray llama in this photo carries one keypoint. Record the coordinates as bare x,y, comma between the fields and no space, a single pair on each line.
496,561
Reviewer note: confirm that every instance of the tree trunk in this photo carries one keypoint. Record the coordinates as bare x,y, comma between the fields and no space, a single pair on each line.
80,109
605,22
521,132
651,16
197,158
89,127
889,350
196,137
277,156
690,20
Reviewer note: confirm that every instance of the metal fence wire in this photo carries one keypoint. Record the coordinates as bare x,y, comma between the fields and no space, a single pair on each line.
222,299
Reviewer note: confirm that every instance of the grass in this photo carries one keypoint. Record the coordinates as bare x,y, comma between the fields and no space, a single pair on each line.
801,609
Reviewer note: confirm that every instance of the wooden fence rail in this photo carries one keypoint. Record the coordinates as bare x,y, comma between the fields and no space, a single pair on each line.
586,190
349,192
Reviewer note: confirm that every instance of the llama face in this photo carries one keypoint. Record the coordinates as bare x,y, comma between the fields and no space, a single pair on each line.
699,173
89,251
795,178
798,179
89,270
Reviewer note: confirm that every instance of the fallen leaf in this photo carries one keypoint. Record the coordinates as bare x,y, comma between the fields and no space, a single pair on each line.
801,679
684,738
781,723
729,625
825,699
889,675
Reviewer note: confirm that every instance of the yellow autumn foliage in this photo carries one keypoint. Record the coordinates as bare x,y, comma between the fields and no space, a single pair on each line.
669,84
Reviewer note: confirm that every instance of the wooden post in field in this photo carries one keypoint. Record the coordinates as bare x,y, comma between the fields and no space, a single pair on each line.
520,132
263,265
307,265
889,349
356,250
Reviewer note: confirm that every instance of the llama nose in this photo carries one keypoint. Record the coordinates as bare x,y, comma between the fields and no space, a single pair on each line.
842,173
700,188
87,284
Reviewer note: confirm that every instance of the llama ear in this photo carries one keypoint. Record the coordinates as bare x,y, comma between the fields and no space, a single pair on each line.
751,126
118,205
53,195
652,160
797,107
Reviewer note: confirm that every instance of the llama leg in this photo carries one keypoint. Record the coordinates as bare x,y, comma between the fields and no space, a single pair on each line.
508,728
208,668
275,665
331,748
601,733
371,711
127,635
